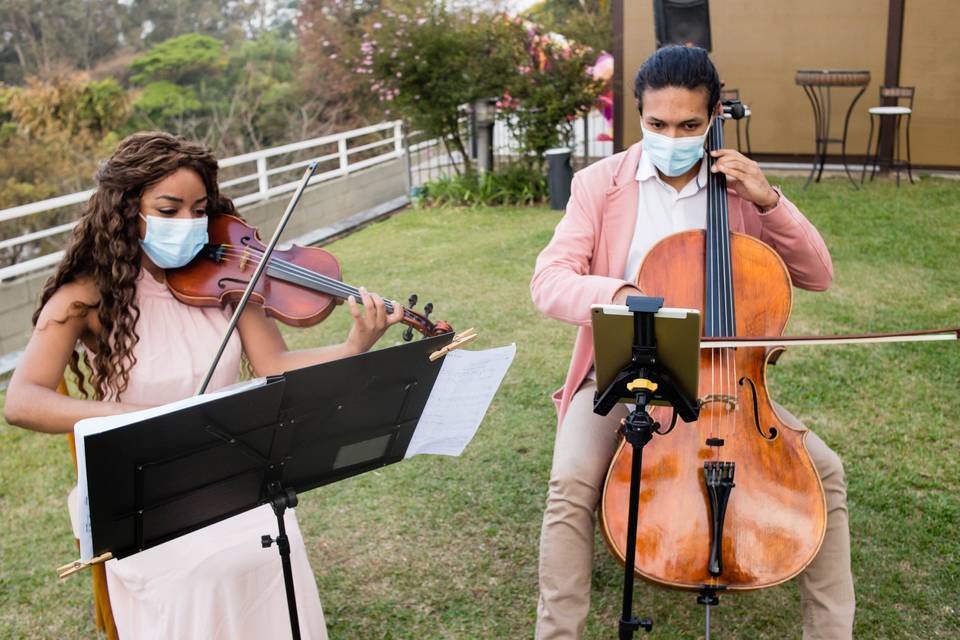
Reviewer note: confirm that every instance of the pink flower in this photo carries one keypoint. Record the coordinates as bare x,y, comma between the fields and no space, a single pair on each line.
421,21
399,74
333,56
377,25
366,47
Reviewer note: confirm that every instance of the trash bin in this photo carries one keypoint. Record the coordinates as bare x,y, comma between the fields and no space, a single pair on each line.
559,176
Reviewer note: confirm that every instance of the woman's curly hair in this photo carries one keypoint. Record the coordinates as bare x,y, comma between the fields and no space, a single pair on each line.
105,248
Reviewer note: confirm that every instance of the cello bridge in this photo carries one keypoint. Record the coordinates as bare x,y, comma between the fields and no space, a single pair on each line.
721,398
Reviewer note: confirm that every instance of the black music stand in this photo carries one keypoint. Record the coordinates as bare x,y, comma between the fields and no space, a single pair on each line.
645,378
155,480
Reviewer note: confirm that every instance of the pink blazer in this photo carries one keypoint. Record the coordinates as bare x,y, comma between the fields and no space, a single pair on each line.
584,261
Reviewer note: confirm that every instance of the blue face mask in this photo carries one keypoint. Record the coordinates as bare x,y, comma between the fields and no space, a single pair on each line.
673,156
173,242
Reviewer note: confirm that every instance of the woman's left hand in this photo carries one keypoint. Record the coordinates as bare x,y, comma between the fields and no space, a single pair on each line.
745,177
370,322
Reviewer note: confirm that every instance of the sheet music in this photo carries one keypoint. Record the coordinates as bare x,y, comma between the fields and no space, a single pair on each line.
459,400
93,426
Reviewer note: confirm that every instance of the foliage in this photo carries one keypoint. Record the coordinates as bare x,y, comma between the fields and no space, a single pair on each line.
511,185
231,98
329,32
425,63
43,37
184,59
584,21
552,86
52,134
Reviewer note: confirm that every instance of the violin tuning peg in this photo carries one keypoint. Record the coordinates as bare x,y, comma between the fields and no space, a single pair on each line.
428,309
408,334
412,301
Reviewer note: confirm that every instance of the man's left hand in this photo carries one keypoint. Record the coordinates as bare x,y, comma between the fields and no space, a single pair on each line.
745,177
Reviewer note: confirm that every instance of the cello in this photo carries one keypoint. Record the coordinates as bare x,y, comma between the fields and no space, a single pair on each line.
731,502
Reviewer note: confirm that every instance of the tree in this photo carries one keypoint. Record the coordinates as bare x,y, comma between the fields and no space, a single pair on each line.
427,64
552,86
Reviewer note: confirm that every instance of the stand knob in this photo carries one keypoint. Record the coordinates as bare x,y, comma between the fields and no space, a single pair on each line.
266,541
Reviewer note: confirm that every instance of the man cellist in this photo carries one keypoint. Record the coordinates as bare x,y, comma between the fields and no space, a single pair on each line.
619,208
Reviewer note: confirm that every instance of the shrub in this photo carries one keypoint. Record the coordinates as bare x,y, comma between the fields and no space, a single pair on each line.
512,185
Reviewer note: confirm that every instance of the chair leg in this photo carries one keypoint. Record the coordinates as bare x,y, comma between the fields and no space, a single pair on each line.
896,147
101,602
866,156
909,165
876,155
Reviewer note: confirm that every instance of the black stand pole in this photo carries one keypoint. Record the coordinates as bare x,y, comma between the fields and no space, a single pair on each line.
644,378
281,500
637,429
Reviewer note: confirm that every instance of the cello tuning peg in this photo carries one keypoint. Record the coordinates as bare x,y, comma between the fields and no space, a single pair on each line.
428,309
408,334
412,301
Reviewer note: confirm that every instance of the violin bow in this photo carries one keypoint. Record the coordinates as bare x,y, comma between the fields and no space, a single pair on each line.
264,261
929,335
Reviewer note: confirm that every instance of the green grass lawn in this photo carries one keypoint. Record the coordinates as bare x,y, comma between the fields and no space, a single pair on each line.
440,547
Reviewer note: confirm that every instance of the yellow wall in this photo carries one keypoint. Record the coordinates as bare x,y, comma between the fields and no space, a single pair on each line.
758,46
931,63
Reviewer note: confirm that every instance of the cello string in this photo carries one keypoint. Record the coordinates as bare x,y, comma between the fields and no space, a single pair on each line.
708,300
711,284
725,271
714,187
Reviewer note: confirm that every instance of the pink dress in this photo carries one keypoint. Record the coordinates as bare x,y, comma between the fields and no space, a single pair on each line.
217,582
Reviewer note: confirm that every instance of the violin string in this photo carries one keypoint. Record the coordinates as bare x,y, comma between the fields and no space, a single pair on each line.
329,285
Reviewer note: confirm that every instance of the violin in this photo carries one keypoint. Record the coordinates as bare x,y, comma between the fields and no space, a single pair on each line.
732,501
300,286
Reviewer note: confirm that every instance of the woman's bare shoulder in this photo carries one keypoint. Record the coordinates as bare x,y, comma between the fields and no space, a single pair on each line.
72,303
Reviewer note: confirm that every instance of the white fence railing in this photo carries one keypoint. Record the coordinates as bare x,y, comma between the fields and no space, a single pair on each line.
341,158
584,143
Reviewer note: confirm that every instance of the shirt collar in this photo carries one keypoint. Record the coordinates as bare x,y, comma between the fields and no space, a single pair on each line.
646,170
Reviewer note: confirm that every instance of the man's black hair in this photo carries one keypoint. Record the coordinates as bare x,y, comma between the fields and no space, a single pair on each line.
678,66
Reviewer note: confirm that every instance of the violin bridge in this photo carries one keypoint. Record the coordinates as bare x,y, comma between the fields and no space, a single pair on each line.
245,258
718,477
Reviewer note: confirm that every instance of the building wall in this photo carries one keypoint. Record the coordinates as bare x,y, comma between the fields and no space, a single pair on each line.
931,63
758,46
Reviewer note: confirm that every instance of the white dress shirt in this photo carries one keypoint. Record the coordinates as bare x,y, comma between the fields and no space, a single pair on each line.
661,211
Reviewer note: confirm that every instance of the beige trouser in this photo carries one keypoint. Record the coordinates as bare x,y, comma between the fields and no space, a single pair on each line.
584,447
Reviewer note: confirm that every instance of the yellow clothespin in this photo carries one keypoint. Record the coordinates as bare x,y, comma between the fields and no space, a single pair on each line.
458,341
68,570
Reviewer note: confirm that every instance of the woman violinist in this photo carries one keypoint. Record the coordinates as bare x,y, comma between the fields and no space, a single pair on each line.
107,314
619,209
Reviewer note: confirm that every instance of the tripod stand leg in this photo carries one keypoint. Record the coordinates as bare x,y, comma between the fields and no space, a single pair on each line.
280,502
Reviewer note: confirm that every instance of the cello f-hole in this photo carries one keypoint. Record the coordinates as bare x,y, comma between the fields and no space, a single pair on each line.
756,412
